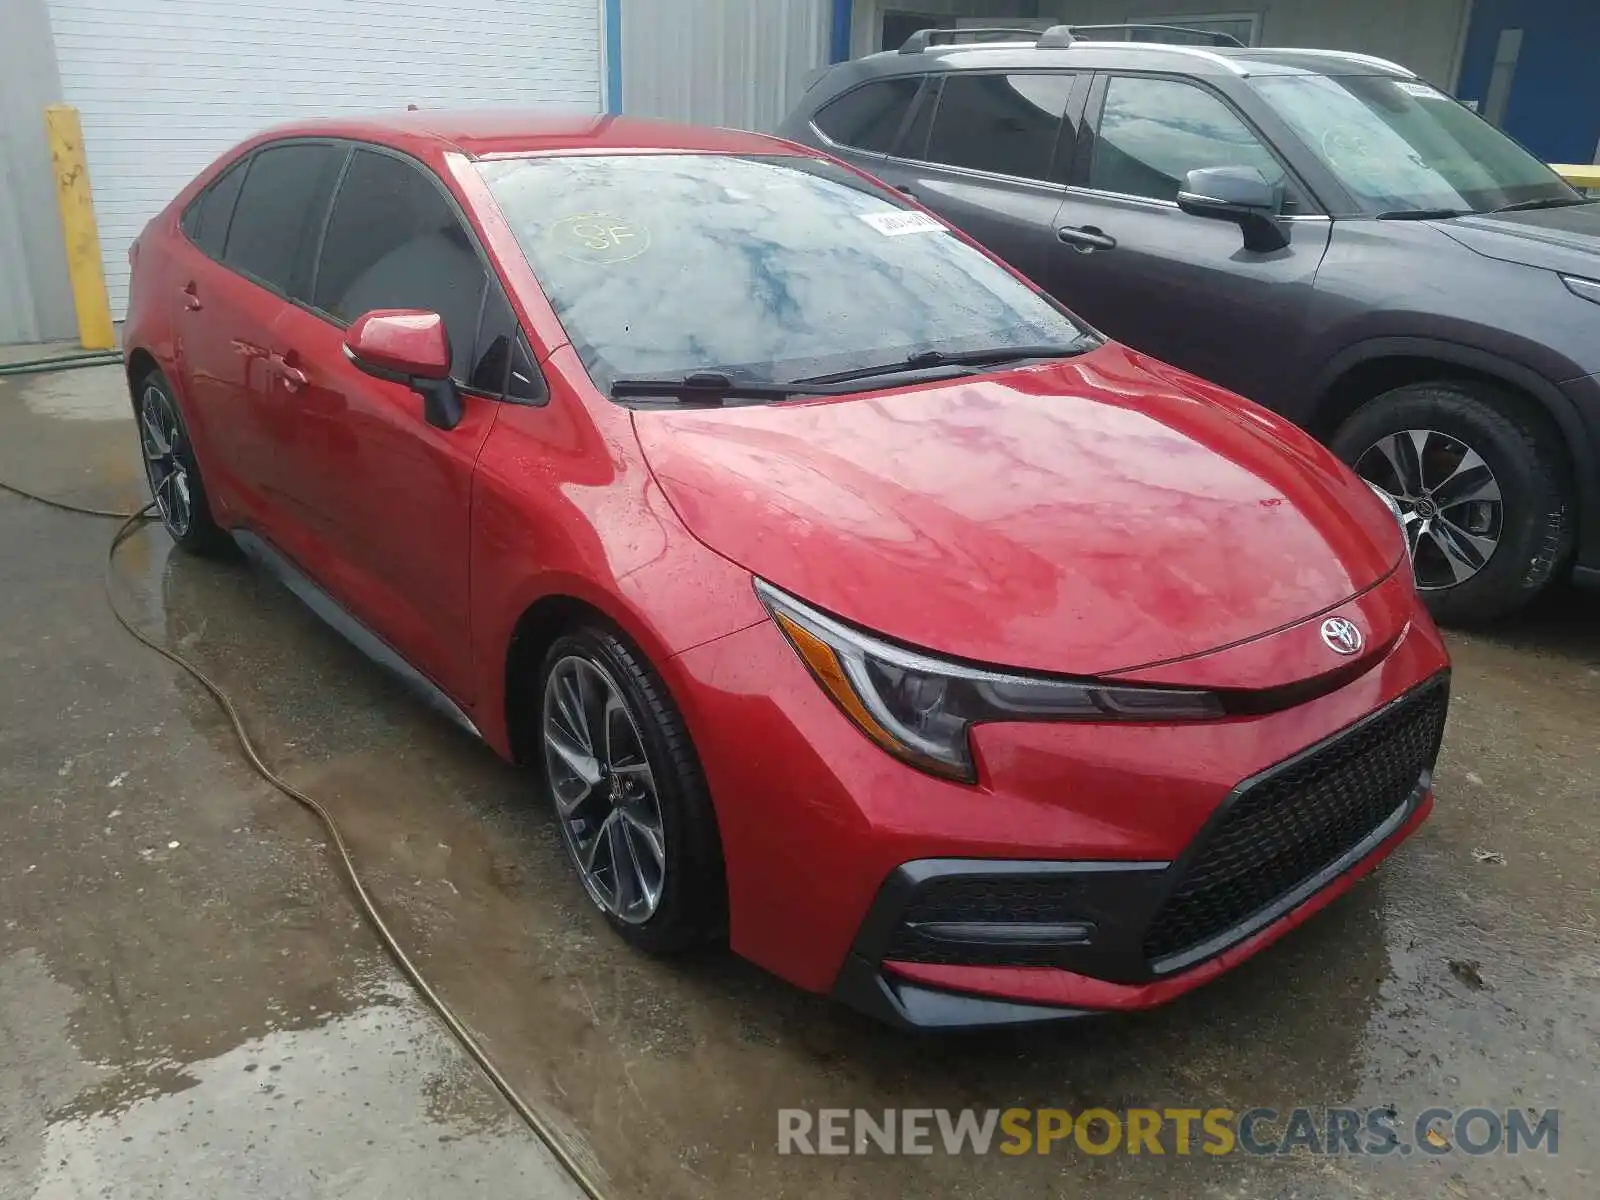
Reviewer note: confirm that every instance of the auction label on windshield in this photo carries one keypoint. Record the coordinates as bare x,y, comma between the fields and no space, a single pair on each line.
897,224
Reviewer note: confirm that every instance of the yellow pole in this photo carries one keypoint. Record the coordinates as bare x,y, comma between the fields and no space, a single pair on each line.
1578,175
78,227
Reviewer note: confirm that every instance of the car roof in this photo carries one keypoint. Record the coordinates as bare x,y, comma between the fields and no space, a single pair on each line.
1222,61
480,133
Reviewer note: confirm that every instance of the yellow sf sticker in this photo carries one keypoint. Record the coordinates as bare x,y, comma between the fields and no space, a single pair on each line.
599,238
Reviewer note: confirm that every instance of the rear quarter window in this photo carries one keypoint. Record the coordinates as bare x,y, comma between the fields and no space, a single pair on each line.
869,117
206,219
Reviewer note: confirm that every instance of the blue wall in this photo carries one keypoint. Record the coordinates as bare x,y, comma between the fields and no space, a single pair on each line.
1554,108
613,36
839,41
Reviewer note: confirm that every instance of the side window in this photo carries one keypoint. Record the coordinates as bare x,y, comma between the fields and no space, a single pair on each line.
394,241
1153,132
281,203
915,142
207,217
1005,124
870,117
501,363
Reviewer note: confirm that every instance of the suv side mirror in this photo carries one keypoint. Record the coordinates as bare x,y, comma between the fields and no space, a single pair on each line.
409,346
1240,195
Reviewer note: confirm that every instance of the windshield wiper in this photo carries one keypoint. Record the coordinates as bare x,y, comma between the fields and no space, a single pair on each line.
935,360
1545,202
713,387
1422,214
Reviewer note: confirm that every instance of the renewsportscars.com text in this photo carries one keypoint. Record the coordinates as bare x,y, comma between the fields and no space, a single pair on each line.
1175,1131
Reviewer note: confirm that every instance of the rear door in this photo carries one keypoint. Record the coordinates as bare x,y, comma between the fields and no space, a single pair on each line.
207,303
990,153
1179,287
389,495
267,255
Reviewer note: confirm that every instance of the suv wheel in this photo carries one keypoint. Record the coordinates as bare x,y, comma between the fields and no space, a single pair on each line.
634,812
1480,487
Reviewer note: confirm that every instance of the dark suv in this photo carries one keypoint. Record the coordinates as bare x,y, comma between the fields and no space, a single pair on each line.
1323,232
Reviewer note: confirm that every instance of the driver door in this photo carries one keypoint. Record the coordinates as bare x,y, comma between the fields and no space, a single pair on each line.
385,496
1182,288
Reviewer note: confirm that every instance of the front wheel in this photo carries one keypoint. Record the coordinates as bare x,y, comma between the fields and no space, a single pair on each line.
635,816
1481,489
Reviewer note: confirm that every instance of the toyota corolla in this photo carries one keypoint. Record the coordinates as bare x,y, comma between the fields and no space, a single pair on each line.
845,596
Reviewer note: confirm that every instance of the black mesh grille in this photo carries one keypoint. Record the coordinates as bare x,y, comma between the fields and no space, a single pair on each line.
967,898
1297,820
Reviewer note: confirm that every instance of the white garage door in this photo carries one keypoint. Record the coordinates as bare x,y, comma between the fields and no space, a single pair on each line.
164,86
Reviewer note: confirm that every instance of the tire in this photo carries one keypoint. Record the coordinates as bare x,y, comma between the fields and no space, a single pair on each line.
1505,490
173,472
690,907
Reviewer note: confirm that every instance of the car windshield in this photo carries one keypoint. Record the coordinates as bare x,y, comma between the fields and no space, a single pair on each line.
766,269
1399,144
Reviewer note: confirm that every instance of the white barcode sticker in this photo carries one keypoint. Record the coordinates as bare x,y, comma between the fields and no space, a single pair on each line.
896,224
1420,90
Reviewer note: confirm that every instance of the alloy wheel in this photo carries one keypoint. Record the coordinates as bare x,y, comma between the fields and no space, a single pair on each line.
605,793
1450,502
160,437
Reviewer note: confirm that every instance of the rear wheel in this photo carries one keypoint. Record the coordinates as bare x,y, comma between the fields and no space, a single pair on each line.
635,816
1481,489
173,472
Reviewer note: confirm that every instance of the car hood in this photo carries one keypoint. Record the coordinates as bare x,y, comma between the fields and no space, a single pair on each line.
1094,515
1554,239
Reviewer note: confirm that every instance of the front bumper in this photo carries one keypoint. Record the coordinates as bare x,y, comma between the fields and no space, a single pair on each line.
829,842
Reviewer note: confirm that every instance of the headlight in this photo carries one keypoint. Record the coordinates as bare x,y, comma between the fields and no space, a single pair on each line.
919,708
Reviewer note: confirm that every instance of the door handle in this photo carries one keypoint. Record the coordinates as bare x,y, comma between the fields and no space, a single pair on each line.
1086,239
293,377
191,301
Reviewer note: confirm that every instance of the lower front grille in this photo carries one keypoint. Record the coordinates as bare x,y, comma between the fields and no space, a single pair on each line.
1281,829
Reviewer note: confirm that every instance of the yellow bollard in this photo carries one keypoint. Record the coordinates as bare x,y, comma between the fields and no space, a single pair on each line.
78,228
1578,175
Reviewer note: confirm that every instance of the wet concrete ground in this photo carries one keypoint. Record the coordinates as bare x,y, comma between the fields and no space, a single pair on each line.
189,1006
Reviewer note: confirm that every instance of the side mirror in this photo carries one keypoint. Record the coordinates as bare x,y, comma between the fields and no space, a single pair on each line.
1240,195
409,346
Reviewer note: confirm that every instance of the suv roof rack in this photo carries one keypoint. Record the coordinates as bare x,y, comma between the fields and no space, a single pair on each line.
1202,37
922,39
1065,35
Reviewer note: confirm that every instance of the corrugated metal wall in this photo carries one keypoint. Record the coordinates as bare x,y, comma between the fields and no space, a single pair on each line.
166,85
35,299
715,62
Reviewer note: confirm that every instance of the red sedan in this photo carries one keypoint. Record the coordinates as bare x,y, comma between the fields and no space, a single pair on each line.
848,597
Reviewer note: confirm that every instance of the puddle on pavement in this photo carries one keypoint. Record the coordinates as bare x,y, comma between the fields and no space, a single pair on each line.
70,436
372,1103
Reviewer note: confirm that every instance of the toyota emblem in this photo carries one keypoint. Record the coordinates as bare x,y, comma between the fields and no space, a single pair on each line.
1341,635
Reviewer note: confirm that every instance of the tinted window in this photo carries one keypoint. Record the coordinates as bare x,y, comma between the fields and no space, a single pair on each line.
915,142
279,211
1153,132
525,381
501,362
206,219
767,268
869,117
394,241
1007,124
